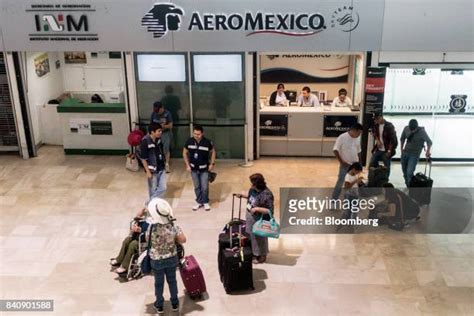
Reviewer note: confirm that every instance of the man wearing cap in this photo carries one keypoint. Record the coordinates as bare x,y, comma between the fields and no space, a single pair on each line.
197,152
153,159
162,116
163,252
386,142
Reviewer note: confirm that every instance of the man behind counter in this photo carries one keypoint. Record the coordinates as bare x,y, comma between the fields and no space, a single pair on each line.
306,98
342,99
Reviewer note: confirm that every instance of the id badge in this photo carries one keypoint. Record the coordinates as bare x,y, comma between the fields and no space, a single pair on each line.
196,155
160,157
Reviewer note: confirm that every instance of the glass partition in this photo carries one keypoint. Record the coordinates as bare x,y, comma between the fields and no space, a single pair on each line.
441,100
220,105
163,77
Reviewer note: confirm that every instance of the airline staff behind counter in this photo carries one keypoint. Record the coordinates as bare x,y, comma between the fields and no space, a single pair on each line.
307,98
342,100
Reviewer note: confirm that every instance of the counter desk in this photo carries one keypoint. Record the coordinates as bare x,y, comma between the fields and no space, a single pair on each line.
93,128
303,131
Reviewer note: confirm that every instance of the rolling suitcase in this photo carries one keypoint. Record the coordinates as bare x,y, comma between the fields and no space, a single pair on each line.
378,176
420,186
192,276
237,270
227,240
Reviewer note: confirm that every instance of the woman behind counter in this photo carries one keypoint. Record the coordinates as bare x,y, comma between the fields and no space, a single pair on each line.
260,203
280,96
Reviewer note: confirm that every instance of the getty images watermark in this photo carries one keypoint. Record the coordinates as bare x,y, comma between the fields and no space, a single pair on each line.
344,211
366,210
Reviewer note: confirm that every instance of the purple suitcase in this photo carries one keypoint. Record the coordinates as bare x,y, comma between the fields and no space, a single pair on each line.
192,276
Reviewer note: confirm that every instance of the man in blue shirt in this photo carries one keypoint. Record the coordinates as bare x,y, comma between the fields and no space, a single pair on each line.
162,116
153,159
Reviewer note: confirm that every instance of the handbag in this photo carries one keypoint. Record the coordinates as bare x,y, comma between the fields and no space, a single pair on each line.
146,262
132,163
264,228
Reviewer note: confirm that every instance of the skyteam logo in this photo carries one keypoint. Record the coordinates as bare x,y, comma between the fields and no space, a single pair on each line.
345,18
162,18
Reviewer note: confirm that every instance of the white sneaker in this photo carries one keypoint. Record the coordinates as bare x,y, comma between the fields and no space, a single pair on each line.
114,262
167,168
120,270
207,207
197,207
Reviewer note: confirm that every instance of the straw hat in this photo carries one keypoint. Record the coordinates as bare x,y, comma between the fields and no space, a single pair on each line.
160,211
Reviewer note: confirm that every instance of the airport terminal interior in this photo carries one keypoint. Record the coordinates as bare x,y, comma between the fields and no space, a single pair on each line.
63,217
115,118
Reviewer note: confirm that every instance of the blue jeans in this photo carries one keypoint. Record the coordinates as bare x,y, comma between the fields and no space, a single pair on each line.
340,181
408,162
157,185
380,156
201,186
161,268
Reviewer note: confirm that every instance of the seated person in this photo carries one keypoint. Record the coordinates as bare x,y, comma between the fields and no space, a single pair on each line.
280,96
352,181
306,98
402,205
130,243
342,99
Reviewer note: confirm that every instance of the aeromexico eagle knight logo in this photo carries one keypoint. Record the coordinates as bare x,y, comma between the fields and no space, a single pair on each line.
162,18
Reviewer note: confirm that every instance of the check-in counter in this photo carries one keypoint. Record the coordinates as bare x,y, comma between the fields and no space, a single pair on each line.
93,128
303,131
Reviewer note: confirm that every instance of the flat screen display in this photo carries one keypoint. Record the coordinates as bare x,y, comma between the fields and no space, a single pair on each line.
218,68
161,68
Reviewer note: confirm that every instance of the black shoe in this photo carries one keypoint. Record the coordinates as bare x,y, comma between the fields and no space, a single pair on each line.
160,310
175,307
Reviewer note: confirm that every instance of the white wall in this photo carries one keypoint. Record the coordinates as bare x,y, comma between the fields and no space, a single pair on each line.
99,74
41,89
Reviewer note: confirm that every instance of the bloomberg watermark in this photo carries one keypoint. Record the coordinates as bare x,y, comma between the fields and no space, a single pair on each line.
314,211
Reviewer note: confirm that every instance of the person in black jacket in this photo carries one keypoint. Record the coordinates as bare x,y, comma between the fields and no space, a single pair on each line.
386,142
280,96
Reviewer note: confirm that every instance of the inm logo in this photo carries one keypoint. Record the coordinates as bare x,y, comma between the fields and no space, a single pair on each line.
61,23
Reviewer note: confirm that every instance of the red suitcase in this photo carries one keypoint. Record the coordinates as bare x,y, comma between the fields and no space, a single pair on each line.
192,276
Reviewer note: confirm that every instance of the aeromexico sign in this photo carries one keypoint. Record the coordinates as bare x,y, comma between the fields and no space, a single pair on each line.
165,17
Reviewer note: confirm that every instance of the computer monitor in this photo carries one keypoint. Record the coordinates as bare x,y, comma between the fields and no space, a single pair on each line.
291,95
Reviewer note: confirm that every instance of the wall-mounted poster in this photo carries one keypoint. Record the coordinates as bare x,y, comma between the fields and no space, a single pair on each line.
297,68
75,58
41,64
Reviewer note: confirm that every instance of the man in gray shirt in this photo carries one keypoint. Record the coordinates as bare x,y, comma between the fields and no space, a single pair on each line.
307,98
415,137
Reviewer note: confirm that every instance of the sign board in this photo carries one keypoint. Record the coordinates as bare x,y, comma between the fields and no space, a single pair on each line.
273,125
101,127
335,125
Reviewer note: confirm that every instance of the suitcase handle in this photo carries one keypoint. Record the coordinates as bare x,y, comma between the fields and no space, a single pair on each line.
428,163
235,195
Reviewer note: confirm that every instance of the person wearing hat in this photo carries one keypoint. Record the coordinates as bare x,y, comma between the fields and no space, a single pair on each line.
163,252
162,116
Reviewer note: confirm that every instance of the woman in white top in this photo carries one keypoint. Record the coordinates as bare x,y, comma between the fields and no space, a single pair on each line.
342,99
279,97
353,180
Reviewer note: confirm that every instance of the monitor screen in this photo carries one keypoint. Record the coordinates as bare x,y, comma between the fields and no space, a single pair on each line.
218,68
161,68
291,95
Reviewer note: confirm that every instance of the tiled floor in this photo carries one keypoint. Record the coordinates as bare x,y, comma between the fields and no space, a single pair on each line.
62,218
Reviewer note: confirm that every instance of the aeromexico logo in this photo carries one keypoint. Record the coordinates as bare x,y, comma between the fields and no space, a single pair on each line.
164,17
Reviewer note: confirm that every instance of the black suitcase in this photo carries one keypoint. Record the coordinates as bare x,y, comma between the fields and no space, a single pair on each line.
420,186
378,176
237,269
237,225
